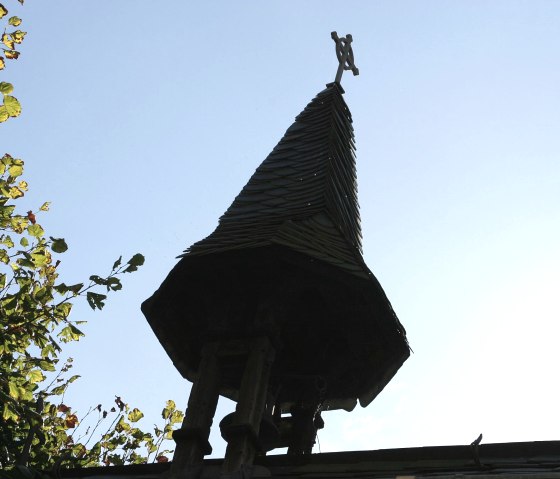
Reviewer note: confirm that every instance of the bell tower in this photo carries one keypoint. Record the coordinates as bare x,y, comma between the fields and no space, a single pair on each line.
276,309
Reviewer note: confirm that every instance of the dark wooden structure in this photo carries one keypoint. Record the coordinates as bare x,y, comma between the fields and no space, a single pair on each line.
516,460
276,309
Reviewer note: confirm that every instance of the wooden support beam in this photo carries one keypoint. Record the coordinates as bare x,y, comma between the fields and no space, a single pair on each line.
192,437
242,434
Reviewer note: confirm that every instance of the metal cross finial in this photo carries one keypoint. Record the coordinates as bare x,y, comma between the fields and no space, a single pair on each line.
345,55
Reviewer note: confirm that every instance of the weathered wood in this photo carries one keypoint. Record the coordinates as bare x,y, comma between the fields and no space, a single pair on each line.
243,433
192,437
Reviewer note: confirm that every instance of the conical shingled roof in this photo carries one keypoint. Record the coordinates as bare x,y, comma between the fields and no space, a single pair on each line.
285,262
304,194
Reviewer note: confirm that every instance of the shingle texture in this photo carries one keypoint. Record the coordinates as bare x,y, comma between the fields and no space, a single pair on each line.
304,194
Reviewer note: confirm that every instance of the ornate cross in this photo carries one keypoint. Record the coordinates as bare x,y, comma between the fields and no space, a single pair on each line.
345,55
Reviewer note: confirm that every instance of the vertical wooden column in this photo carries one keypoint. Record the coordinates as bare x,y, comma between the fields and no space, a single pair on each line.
192,437
242,434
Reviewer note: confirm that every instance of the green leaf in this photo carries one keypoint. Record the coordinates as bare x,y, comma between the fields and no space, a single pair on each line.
48,350
122,425
47,365
36,230
73,378
14,21
114,284
24,242
41,258
70,333
25,394
134,262
95,300
63,309
6,88
98,279
117,263
76,288
61,288
58,245
57,391
135,415
12,105
6,211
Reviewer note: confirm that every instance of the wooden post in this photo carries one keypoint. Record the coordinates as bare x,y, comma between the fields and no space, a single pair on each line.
242,434
192,437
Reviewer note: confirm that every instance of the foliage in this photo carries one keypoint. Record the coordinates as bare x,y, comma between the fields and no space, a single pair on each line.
36,427
38,431
10,106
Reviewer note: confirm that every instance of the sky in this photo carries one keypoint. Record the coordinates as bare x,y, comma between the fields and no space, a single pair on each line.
143,120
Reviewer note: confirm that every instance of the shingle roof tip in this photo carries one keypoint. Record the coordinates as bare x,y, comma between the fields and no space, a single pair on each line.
308,181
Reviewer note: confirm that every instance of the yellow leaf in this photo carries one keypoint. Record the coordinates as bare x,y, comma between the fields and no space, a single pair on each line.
12,105
13,390
24,394
15,170
15,192
45,206
15,21
18,36
6,88
11,54
3,114
6,40
2,63
23,185
8,413
36,376
3,11
135,415
18,224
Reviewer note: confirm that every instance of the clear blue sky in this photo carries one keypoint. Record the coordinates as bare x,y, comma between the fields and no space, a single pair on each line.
142,121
